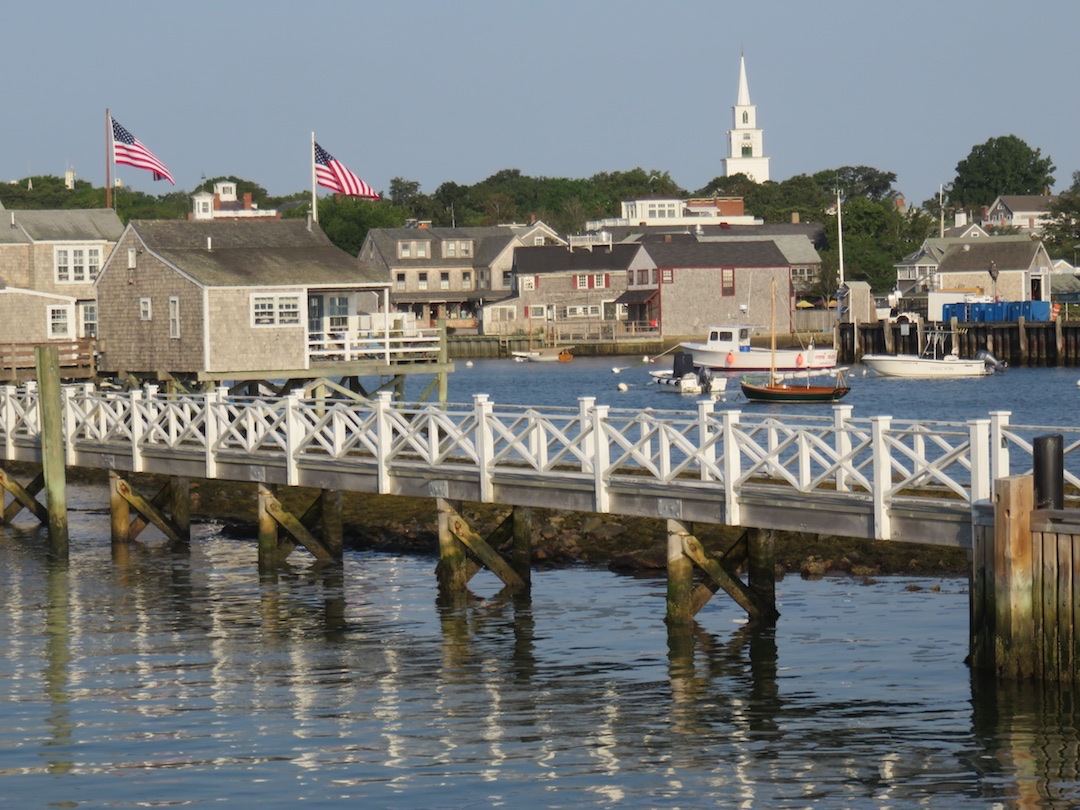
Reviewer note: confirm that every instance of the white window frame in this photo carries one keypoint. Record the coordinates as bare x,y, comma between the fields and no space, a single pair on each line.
582,282
401,282
337,312
466,280
528,283
421,282
404,250
88,321
146,309
421,250
444,280
65,319
174,317
598,281
76,264
274,309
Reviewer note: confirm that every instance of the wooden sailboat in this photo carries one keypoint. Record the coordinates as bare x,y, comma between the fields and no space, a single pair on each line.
778,389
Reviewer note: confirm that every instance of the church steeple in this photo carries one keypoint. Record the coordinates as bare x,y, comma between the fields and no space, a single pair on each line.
746,153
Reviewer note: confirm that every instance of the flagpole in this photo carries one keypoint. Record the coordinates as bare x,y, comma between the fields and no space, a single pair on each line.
314,185
108,160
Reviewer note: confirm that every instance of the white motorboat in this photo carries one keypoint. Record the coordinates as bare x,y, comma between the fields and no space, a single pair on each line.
933,362
548,355
727,348
685,378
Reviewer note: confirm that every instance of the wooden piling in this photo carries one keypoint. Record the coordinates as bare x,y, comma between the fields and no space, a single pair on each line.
521,554
761,571
268,530
119,512
680,576
50,403
452,570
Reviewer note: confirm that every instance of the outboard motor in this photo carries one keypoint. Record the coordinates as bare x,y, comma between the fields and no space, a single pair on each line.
683,364
704,378
991,362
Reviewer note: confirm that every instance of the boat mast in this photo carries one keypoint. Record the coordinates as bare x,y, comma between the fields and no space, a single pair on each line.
772,342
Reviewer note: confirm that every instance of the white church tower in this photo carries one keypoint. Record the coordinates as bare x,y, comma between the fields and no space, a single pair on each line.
746,154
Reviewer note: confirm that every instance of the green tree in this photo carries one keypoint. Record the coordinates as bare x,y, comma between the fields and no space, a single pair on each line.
1004,165
346,220
858,181
1062,233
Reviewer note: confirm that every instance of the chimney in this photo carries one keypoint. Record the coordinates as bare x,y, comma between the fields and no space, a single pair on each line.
667,237
217,201
794,217
960,219
247,200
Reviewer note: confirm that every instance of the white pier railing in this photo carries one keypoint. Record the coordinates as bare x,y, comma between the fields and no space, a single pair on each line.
898,477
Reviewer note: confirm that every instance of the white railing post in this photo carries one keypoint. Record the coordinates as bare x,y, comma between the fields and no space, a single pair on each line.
879,427
214,400
138,430
842,443
71,423
588,442
706,450
7,414
982,481
999,445
485,445
732,469
601,458
294,436
383,439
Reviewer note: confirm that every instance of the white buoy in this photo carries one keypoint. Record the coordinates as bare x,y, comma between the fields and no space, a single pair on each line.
615,370
645,359
623,387
469,364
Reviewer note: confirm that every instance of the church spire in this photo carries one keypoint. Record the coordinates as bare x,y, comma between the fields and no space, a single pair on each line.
744,88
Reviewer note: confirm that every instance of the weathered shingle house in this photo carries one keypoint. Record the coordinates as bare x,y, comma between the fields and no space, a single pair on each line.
448,273
1008,269
48,263
224,203
181,298
917,272
686,285
556,285
1029,212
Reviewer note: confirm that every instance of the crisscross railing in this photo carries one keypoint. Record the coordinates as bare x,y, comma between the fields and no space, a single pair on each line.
881,463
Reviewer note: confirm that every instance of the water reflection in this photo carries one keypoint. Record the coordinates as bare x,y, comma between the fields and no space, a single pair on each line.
355,681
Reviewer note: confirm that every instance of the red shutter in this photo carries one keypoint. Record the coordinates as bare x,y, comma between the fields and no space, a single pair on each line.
607,280
526,312
536,282
575,281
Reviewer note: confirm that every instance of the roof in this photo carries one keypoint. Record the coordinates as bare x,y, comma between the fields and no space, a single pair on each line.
978,255
60,225
558,259
725,253
636,296
797,248
1026,202
488,243
814,231
265,252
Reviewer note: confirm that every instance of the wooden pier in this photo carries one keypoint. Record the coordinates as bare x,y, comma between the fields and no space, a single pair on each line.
878,478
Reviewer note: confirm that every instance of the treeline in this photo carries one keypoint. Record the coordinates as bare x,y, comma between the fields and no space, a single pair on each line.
878,229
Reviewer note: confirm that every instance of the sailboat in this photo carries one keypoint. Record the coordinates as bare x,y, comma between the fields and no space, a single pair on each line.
779,389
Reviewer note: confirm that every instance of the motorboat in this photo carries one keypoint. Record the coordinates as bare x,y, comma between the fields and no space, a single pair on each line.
685,378
548,355
933,362
727,348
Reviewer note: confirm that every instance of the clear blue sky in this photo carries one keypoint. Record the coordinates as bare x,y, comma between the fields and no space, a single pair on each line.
456,91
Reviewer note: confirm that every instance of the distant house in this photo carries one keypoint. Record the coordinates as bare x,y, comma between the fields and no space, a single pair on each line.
559,286
211,297
1029,212
48,263
916,273
687,286
1006,269
224,204
665,211
449,273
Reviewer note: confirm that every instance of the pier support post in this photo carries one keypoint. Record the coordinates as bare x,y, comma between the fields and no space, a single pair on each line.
52,447
521,556
761,571
268,530
119,513
452,570
680,576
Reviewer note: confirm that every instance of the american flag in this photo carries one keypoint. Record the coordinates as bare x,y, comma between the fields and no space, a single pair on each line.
128,150
331,174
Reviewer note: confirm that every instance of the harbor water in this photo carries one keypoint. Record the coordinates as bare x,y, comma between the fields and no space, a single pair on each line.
185,679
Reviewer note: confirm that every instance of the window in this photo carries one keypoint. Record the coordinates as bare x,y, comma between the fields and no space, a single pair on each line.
538,241
667,275
599,281
465,249
508,277
421,250
444,281
76,265
404,250
146,310
275,310
337,308
88,318
59,322
503,314
727,281
466,280
581,282
747,150
399,281
643,276
745,117
655,275
528,283
422,282
174,316
132,256
450,248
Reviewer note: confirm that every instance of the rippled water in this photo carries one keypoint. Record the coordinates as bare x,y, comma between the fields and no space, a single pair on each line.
166,679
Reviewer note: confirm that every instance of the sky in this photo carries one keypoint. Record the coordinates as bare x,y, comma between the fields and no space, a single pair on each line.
440,91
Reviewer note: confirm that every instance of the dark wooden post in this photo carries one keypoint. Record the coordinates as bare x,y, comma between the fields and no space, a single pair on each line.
180,506
761,571
444,358
51,409
268,530
452,571
332,520
521,556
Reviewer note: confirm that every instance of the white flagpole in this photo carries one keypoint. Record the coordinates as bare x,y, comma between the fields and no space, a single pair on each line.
314,185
